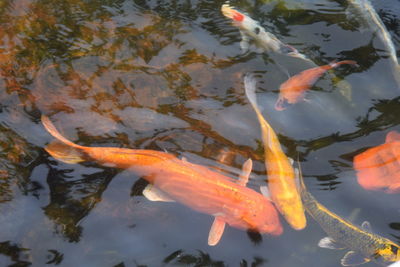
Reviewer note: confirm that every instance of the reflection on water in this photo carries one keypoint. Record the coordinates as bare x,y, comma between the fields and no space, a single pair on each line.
167,75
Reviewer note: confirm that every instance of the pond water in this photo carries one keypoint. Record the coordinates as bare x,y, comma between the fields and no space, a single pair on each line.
168,76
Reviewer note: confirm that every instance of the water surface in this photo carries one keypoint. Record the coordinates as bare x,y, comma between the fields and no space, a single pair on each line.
168,76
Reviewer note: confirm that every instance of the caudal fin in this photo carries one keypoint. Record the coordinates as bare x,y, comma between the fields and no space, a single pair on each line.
335,64
62,149
64,153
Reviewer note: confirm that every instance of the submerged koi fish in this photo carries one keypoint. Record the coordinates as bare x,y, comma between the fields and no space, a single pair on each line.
364,245
172,179
378,168
249,28
293,89
281,175
367,15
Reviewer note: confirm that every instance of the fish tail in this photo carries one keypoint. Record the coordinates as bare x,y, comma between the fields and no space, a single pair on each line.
250,90
64,152
62,149
55,133
334,64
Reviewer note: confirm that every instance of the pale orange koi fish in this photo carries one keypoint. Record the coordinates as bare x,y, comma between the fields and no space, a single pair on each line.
173,179
283,189
294,88
378,168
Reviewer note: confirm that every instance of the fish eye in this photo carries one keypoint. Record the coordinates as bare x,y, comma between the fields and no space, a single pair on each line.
394,249
257,30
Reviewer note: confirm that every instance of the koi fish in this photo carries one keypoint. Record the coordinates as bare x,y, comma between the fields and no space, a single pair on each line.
282,186
293,90
249,28
396,264
367,15
378,168
173,179
364,245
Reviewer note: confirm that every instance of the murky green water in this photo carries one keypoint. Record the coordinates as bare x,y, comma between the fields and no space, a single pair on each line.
168,75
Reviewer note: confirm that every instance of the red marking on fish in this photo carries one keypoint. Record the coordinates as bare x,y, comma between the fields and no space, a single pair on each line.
378,168
238,16
292,91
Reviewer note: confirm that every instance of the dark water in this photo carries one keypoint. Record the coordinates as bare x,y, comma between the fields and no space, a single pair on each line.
167,75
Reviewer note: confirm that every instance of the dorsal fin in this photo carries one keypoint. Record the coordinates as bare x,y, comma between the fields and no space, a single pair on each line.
392,136
246,170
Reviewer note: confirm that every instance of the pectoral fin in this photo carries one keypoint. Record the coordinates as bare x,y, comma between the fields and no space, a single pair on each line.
329,243
246,170
366,226
152,193
353,258
216,231
265,191
245,43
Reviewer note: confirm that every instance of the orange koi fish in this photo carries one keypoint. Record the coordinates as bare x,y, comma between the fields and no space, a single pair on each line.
378,168
283,189
173,179
293,89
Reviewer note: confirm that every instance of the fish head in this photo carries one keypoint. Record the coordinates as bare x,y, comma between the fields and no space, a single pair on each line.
242,21
281,104
263,218
293,211
389,252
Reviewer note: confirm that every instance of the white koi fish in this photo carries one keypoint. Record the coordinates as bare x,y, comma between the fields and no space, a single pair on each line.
249,28
368,16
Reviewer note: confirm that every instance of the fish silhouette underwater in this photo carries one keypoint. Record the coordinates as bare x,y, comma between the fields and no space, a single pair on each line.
293,90
364,245
378,168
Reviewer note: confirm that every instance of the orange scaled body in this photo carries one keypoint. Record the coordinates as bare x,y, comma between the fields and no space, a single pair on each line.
190,184
378,168
292,91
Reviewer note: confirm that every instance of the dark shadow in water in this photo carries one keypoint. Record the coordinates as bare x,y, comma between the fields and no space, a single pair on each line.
197,259
17,254
388,110
255,237
72,200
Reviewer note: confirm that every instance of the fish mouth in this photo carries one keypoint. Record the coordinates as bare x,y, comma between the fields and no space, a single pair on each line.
281,104
227,11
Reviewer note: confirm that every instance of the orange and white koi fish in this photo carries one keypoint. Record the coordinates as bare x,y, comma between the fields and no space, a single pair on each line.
249,28
378,168
293,89
283,189
173,179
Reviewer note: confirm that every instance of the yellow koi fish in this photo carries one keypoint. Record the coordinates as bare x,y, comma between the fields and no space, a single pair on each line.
364,245
281,175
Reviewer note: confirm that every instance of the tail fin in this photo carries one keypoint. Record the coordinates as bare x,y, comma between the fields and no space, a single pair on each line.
56,134
334,64
62,149
250,90
64,153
